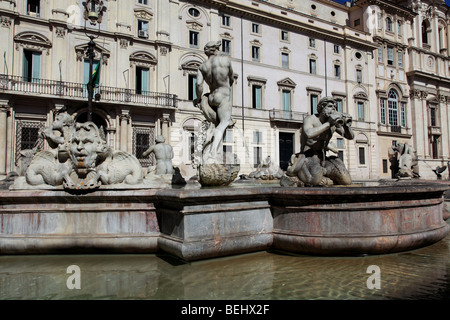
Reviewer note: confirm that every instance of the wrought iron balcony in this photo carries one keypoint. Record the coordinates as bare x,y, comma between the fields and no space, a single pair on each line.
73,90
286,115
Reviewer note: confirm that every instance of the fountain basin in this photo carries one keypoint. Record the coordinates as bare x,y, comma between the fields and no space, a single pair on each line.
203,223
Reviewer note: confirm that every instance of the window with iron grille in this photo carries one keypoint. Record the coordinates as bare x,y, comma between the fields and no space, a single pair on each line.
27,136
143,138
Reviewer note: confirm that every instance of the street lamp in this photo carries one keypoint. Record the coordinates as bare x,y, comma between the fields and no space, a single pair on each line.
93,12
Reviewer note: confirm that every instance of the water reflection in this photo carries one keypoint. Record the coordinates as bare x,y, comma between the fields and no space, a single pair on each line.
418,274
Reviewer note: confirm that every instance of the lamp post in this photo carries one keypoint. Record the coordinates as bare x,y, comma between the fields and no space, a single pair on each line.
93,12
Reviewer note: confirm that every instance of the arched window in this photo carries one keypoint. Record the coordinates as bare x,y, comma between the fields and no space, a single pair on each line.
393,107
388,24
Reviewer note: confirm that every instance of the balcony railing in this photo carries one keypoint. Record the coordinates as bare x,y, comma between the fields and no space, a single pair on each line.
79,90
286,115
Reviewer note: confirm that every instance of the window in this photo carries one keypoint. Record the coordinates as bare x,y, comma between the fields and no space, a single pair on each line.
86,76
286,100
313,100
399,28
142,1
257,137
33,7
192,82
425,32
393,108
312,66
191,145
255,53
142,144
337,71
433,118
403,114
357,22
256,97
362,155
388,24
358,75
29,136
435,146
284,35
227,154
32,66
383,111
143,138
228,136
312,42
385,166
257,150
226,46
339,105
194,12
336,48
257,156
379,20
142,29
360,106
390,56
340,143
285,60
141,84
380,54
400,59
193,39
226,20
255,28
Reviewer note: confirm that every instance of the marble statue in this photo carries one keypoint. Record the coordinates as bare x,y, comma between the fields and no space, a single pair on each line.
79,159
267,170
164,168
163,153
406,160
312,166
216,107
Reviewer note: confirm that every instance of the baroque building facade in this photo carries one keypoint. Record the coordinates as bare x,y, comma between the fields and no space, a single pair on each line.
286,55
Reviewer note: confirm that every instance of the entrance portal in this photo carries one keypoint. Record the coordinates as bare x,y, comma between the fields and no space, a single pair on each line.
286,148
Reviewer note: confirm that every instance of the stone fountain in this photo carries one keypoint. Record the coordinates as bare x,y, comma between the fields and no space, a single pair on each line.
81,196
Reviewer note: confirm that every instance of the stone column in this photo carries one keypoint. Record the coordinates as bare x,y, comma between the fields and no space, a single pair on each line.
4,109
124,117
165,126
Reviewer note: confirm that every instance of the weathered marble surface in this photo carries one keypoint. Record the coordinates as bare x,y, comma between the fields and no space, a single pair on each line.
204,223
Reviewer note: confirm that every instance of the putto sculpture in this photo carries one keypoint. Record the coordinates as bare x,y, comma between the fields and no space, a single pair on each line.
216,107
311,166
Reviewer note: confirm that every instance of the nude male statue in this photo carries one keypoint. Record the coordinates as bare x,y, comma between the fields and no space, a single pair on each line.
163,154
216,105
312,165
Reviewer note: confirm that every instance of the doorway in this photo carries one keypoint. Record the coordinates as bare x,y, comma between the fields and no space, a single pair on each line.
286,148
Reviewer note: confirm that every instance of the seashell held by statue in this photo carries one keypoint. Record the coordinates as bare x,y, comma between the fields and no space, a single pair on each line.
218,174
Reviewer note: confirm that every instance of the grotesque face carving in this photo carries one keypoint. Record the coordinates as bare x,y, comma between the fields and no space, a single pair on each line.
87,146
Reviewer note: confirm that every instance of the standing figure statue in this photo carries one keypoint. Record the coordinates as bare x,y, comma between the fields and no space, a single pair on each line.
163,154
216,105
311,166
